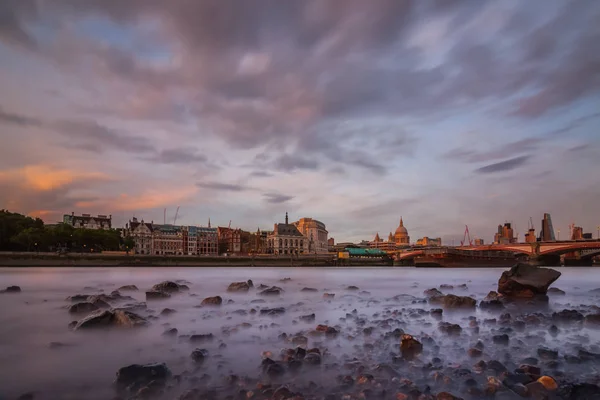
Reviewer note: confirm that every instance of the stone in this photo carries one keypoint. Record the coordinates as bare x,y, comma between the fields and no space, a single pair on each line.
453,301
410,347
239,287
142,374
200,338
493,301
111,318
548,382
496,366
526,281
167,311
328,295
11,289
169,287
26,396
272,291
547,354
446,286
474,353
307,318
592,320
436,312
501,339
275,370
84,307
312,358
156,295
432,292
128,288
567,316
170,332
353,288
272,311
308,289
198,355
212,301
579,391
556,291
447,396
450,329
530,369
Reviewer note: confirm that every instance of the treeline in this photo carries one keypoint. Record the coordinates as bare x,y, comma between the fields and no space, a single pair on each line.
22,233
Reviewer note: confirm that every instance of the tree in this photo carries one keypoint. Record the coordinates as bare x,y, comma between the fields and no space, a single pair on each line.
129,244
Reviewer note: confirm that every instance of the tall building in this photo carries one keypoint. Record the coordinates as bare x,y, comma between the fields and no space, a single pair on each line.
86,221
577,233
286,239
401,236
230,240
141,233
316,234
429,242
505,234
547,232
478,242
378,243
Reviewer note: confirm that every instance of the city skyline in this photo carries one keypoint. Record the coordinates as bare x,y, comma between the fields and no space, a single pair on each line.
446,113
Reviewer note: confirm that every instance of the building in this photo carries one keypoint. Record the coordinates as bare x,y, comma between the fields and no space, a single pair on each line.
530,236
141,233
378,243
401,236
479,242
330,244
547,232
168,240
316,233
429,242
207,241
286,239
230,240
86,221
257,242
505,234
577,233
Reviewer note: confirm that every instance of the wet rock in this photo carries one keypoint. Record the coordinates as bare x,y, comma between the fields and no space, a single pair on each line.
592,320
556,291
446,287
11,289
312,358
328,330
501,339
84,307
167,311
588,356
198,355
272,291
212,301
567,316
436,313
526,281
474,353
447,396
128,288
548,382
307,318
410,347
239,287
328,295
308,289
201,338
142,374
496,366
273,369
432,292
272,311
155,295
453,301
171,332
353,288
169,287
579,391
493,301
450,329
27,396
547,354
111,318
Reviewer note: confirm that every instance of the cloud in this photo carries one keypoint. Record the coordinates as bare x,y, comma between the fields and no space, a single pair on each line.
261,174
227,187
291,163
178,156
16,119
509,149
507,165
276,198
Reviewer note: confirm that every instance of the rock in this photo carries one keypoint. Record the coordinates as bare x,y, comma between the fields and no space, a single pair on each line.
328,295
111,318
142,374
526,281
307,318
155,295
77,298
26,396
447,396
432,292
548,383
272,291
352,288
169,287
436,312
580,391
567,316
84,307
200,338
410,347
212,301
592,320
328,330
501,339
450,329
272,311
446,286
547,354
492,301
128,288
556,291
239,287
300,340
312,359
496,366
199,355
474,353
308,289
273,369
170,332
11,289
453,301
167,311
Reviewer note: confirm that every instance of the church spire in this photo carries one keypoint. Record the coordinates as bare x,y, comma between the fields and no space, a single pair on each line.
209,222
286,218
401,223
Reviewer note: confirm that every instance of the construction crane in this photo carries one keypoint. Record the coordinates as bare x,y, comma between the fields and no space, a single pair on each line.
466,236
530,223
229,227
176,214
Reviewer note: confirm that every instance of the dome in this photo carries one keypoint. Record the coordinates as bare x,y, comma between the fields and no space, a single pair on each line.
401,230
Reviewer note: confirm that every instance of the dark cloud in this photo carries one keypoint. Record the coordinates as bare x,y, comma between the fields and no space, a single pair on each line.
90,135
507,165
17,119
261,174
291,163
276,198
507,150
14,14
228,187
178,156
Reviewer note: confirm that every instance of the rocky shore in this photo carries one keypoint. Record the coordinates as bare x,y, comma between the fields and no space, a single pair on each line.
443,345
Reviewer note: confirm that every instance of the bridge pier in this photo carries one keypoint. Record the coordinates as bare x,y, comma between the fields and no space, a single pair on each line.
548,260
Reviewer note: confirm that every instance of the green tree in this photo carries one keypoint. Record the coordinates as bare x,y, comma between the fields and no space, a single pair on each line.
30,239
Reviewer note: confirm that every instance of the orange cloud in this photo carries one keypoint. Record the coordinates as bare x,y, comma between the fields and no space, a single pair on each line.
44,178
148,199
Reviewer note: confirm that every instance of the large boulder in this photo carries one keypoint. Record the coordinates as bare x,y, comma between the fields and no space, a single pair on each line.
111,318
212,301
11,289
157,295
128,288
169,287
453,301
142,374
526,281
83,307
410,347
493,301
272,291
239,287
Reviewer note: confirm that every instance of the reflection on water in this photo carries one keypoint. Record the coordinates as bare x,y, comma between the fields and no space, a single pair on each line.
83,364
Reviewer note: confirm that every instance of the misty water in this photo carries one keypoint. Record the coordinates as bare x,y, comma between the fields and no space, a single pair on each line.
82,364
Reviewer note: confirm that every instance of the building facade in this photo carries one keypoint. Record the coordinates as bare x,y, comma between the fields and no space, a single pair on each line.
86,221
429,242
378,243
401,236
286,239
230,240
505,234
316,234
141,233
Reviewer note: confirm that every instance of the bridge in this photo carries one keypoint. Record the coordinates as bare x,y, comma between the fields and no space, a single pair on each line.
547,252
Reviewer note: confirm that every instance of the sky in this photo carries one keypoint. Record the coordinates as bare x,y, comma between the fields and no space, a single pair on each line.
445,112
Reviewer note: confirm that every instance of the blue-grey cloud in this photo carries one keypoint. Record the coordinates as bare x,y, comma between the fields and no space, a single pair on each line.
227,187
502,166
17,119
277,198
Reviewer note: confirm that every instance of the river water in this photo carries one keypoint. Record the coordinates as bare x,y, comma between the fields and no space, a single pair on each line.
83,366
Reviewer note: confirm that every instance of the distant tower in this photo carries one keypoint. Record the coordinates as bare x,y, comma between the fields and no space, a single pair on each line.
209,222
547,232
286,218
